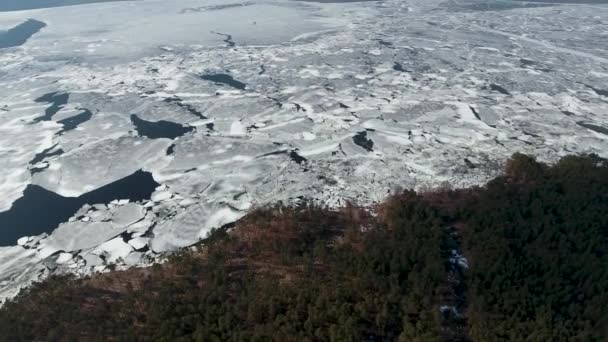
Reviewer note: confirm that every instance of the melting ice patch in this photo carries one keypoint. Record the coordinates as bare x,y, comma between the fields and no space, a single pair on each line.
19,34
224,79
159,129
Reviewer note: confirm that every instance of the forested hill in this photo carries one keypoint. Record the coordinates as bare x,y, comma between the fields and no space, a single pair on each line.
535,268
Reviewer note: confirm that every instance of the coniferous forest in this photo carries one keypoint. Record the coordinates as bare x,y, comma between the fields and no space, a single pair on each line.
535,241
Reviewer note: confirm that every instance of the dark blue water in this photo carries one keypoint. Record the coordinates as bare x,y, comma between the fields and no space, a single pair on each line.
57,101
229,42
186,106
498,88
595,128
19,34
600,92
49,152
41,211
398,67
292,154
74,121
225,79
20,5
159,129
363,141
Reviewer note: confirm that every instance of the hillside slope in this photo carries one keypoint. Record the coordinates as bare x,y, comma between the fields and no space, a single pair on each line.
536,269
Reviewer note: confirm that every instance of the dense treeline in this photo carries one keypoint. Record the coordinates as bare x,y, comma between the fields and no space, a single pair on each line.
283,274
536,239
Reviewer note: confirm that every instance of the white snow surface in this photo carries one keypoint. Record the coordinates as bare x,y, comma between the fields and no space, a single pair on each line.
442,91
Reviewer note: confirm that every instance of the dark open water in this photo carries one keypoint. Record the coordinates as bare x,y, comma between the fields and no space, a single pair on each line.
41,211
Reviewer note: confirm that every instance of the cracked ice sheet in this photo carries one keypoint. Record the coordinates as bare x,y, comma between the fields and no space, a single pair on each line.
75,32
18,267
100,163
14,175
94,227
444,92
